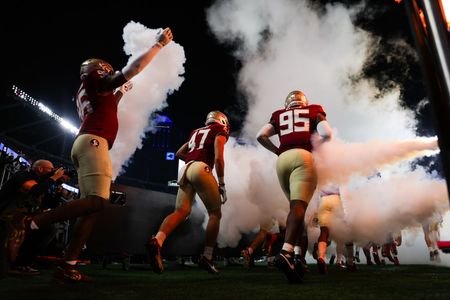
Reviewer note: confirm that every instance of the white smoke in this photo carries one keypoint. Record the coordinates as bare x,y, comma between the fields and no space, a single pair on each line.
253,192
337,161
286,45
150,89
389,203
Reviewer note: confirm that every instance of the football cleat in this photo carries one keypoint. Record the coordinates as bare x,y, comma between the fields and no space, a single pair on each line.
321,266
341,265
154,255
207,265
300,265
351,267
386,252
285,263
24,271
396,261
376,258
66,273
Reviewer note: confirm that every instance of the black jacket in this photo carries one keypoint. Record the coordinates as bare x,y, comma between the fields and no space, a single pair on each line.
23,190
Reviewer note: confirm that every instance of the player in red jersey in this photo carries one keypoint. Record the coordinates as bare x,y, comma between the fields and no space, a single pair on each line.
97,100
294,125
202,153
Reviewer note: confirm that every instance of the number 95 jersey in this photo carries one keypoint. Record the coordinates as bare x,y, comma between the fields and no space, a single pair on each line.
295,125
201,143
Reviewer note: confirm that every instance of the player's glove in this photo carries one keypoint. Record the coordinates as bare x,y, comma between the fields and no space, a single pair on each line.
223,192
126,87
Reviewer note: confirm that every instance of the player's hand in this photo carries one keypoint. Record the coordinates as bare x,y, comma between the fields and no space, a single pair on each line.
57,174
223,192
165,37
126,87
64,178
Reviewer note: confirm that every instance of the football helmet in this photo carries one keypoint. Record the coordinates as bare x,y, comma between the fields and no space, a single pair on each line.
295,98
95,64
216,116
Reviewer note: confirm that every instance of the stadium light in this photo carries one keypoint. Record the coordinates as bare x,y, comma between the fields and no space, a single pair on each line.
67,125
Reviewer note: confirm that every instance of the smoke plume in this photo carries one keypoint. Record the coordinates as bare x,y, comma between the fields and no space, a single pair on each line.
150,89
290,45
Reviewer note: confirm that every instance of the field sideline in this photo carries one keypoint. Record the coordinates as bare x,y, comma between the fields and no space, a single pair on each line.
189,282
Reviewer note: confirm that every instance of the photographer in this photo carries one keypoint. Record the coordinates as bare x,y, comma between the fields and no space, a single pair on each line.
21,195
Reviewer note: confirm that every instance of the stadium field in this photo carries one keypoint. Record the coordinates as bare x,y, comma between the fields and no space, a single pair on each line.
233,282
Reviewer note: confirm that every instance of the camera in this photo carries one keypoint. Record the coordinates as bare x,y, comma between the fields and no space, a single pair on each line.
118,198
71,173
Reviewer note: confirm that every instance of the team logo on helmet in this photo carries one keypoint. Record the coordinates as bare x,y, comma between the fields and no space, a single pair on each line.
95,64
295,98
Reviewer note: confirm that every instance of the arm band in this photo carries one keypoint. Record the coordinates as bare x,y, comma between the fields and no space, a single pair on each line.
324,129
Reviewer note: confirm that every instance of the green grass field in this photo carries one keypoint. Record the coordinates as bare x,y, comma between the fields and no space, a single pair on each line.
189,282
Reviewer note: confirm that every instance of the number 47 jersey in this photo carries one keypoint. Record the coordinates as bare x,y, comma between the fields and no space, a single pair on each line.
295,125
201,143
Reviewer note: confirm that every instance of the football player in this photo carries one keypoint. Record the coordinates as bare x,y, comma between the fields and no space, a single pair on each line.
375,252
97,100
389,248
270,226
329,206
294,125
202,153
431,231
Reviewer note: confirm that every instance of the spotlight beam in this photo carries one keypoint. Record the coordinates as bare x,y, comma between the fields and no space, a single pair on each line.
41,107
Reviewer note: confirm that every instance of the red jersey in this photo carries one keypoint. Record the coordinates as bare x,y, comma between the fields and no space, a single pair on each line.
201,143
98,110
295,125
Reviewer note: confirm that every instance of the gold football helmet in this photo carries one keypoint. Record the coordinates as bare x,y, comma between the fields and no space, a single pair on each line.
295,98
95,64
216,116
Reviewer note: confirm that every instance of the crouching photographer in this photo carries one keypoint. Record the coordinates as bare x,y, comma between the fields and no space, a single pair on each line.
21,196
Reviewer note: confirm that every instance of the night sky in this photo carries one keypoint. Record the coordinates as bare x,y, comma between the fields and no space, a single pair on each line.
46,48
